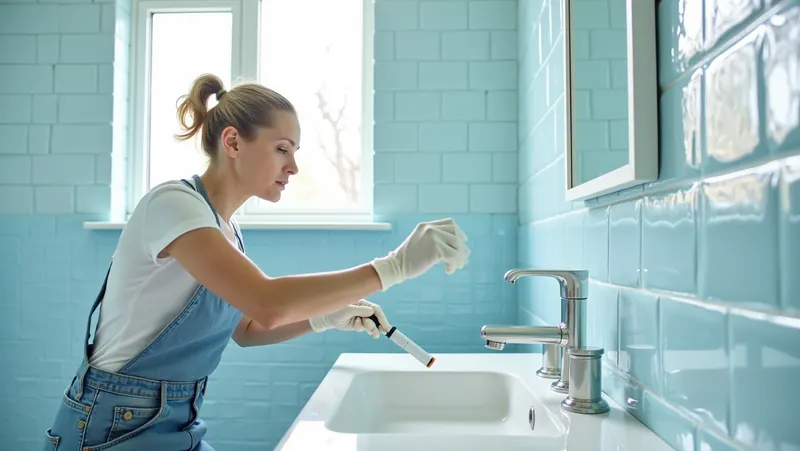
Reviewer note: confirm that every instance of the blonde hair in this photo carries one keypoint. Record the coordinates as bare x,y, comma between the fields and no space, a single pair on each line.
246,107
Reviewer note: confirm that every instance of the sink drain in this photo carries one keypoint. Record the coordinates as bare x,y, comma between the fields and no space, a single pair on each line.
532,418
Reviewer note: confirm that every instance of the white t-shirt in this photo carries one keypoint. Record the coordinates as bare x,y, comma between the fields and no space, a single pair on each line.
144,292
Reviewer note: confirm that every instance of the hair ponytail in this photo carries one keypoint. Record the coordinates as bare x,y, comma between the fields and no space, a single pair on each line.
247,107
193,107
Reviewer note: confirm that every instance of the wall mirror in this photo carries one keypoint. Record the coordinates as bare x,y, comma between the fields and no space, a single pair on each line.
611,96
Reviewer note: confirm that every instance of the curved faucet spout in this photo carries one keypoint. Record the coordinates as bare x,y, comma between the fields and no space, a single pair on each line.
525,334
574,284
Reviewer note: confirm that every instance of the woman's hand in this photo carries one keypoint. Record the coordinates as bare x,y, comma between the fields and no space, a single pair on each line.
429,243
354,317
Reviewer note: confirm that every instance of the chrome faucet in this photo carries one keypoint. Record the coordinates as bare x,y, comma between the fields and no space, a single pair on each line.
568,337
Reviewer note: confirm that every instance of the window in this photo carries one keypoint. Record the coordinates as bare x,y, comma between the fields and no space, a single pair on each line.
318,53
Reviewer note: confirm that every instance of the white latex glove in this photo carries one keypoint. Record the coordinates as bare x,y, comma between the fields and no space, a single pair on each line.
354,317
429,243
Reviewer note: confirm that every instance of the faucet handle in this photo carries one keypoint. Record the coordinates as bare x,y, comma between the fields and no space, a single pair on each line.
574,283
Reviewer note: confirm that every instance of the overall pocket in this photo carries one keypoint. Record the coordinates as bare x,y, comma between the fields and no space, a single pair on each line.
50,441
130,419
117,418
69,426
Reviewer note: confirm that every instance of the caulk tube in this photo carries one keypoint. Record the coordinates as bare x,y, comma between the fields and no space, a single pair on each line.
404,342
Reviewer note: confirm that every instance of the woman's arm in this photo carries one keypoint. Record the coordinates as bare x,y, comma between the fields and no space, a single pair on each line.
272,302
250,333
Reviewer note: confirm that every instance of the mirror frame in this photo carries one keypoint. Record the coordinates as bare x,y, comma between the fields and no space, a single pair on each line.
643,143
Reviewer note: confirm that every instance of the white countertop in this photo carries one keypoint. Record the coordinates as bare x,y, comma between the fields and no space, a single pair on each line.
554,429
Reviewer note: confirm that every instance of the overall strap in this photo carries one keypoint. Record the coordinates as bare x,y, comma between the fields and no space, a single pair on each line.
101,295
202,190
96,304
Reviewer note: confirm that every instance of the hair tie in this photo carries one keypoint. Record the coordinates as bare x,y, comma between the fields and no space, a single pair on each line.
220,93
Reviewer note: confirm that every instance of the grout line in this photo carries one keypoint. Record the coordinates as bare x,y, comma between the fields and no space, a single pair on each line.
676,409
557,217
724,43
768,160
724,307
533,315
729,408
542,170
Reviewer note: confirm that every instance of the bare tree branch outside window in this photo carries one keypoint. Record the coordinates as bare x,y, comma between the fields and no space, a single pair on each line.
334,113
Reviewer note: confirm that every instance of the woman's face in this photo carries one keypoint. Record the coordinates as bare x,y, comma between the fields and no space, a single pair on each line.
265,164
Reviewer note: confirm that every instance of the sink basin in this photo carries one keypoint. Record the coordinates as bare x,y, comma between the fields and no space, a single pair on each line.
466,402
444,402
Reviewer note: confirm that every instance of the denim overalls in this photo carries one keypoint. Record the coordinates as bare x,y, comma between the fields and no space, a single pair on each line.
152,403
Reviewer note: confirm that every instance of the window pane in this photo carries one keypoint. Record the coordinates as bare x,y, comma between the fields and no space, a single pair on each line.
315,60
183,46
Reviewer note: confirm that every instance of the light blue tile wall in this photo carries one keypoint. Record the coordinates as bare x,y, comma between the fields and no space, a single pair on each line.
693,289
445,139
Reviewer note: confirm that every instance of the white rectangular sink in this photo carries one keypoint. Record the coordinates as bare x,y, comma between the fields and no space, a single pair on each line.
465,402
439,402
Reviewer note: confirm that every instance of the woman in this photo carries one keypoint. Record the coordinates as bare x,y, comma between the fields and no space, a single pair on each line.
180,285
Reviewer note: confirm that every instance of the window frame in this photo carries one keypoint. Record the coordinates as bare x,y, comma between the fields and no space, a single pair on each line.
245,65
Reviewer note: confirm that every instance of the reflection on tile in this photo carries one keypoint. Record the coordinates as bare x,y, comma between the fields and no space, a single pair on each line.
674,428
596,243
724,16
574,251
709,441
790,235
679,130
680,36
765,354
602,313
669,241
625,391
548,242
624,243
719,226
738,237
638,337
731,114
695,358
781,55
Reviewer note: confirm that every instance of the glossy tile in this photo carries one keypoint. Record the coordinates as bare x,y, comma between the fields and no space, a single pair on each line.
680,37
624,390
765,359
732,117
669,240
717,231
679,130
549,240
596,243
694,355
638,337
574,240
544,300
624,243
725,17
790,235
674,428
781,59
706,440
602,308
738,237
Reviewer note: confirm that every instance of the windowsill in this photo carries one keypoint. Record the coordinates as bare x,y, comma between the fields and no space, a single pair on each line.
267,225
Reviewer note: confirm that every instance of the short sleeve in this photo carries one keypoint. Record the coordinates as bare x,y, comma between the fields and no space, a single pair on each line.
170,211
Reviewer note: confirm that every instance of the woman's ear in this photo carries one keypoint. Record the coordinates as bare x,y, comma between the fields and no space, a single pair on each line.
230,141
